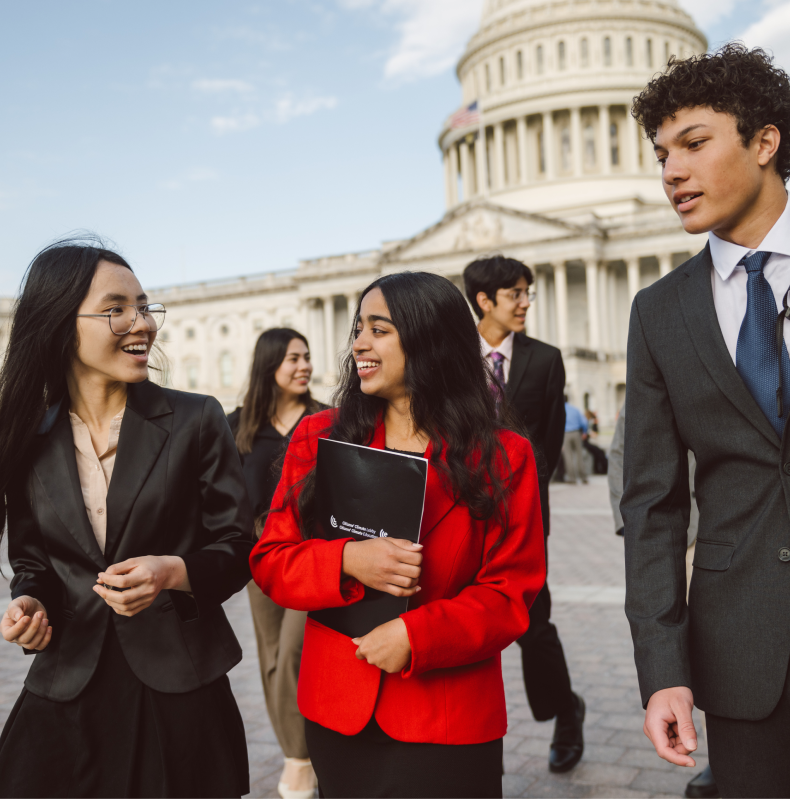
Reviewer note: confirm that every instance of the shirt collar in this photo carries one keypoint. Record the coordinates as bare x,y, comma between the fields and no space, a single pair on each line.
727,255
505,348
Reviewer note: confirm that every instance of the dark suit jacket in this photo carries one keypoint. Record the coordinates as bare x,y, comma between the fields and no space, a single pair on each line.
731,645
176,489
534,392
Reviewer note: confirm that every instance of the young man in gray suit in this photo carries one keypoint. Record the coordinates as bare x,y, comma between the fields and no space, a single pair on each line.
708,371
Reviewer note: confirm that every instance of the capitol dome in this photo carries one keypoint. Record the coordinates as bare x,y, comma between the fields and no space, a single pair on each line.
553,81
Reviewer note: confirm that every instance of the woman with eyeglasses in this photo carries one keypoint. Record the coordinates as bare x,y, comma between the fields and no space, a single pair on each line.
128,527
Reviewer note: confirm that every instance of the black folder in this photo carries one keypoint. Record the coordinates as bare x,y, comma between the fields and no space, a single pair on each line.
365,493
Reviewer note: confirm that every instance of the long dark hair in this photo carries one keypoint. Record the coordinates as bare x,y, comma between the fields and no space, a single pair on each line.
450,398
42,345
260,402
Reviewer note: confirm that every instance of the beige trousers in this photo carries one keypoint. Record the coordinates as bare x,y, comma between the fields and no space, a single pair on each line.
689,570
279,634
573,451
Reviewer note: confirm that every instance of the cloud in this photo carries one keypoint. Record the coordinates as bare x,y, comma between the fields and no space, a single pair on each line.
234,124
772,33
431,33
221,86
708,12
197,174
288,108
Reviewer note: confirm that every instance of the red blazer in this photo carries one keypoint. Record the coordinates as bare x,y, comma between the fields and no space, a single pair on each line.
470,608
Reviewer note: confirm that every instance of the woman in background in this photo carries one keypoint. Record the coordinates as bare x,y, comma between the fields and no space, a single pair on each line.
277,400
415,708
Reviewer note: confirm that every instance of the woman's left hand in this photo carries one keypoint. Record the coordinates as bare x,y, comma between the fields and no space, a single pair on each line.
140,581
387,646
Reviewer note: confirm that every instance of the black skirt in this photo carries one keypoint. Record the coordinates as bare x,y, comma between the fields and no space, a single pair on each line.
119,738
371,764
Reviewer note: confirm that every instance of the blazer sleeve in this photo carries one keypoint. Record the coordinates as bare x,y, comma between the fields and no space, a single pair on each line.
220,568
492,612
655,508
555,413
294,573
614,475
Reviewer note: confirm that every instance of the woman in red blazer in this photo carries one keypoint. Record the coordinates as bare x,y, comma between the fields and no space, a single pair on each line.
417,706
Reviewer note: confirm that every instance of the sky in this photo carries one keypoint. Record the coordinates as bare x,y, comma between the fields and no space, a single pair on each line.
206,140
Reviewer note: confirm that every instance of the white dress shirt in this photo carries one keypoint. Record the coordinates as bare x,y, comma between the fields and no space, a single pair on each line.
505,349
729,278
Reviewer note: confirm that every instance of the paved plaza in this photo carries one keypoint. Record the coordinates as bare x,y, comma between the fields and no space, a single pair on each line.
586,577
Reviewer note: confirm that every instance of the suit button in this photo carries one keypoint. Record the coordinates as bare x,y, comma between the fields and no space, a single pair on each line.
786,468
784,554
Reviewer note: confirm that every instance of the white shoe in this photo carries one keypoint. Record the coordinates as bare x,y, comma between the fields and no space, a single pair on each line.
284,789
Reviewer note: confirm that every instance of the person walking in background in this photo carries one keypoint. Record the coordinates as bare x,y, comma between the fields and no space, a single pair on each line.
128,527
415,708
573,446
533,378
278,398
708,371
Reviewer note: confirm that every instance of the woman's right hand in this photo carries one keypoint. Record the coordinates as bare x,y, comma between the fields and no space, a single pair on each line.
391,565
25,623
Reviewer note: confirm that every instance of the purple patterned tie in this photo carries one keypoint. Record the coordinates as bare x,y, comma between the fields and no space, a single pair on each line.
497,385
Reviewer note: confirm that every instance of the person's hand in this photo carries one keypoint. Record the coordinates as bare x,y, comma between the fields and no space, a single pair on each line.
669,726
391,565
25,624
140,581
387,646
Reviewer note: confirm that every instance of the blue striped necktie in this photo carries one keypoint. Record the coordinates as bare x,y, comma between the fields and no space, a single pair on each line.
755,356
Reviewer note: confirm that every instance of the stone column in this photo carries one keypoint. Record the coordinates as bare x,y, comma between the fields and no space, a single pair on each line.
448,193
665,264
532,319
521,134
651,164
576,141
561,300
606,148
453,175
632,143
351,301
603,307
330,348
466,172
499,155
593,320
481,161
633,277
541,305
548,144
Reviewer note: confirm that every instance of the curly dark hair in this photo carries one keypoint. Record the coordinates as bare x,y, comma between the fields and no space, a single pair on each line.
734,80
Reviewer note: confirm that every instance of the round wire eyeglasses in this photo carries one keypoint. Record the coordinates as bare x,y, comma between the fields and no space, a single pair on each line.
123,318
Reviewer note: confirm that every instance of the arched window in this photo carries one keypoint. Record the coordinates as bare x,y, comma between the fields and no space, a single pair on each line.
607,52
561,55
589,145
520,64
539,58
629,51
193,374
614,144
585,53
502,75
650,52
565,149
488,78
226,370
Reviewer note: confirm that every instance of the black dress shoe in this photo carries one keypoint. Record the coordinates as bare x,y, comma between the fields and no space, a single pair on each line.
567,746
703,785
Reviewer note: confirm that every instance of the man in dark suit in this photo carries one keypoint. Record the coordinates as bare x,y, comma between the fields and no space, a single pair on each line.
708,371
532,376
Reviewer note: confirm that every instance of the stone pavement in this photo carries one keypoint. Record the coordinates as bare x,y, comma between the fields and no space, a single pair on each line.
586,578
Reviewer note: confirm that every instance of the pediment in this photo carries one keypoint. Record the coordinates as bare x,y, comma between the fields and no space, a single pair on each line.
481,227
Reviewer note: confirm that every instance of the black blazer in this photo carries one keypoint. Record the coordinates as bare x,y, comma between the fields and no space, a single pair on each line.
731,645
176,489
535,394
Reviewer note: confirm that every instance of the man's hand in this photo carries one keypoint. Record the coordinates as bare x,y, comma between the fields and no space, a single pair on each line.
140,581
391,565
387,646
25,623
669,726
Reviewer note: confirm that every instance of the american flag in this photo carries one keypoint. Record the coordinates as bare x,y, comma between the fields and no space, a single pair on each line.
466,117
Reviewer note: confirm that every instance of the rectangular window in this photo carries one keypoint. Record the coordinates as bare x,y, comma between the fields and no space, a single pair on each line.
488,78
607,52
585,53
501,71
520,64
629,51
192,375
561,55
650,52
539,58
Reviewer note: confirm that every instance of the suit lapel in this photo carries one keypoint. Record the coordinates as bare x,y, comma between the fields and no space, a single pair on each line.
56,469
522,355
139,445
699,314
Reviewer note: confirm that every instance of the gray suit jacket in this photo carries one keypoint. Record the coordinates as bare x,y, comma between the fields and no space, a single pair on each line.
731,645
